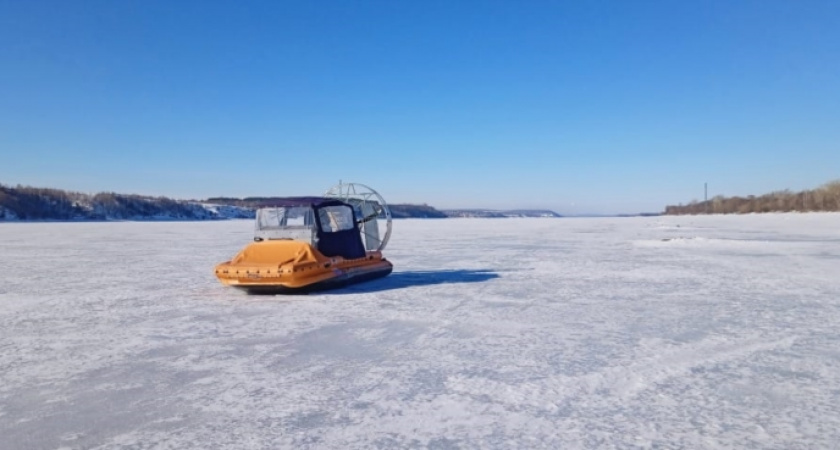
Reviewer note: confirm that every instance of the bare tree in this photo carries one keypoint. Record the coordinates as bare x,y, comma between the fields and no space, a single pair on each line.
824,198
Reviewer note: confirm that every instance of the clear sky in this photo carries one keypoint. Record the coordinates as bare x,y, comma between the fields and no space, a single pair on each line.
579,106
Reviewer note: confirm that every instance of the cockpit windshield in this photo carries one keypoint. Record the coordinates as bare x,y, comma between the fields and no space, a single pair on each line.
285,222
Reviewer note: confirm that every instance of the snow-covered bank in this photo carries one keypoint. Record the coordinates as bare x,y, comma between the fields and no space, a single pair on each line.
51,205
7,215
685,332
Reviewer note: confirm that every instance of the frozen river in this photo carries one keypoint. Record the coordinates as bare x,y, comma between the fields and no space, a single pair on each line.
661,332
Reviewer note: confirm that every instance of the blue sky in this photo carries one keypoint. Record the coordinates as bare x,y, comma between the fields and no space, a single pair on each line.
579,106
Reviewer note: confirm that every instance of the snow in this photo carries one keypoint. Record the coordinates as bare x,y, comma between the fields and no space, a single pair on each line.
7,214
667,332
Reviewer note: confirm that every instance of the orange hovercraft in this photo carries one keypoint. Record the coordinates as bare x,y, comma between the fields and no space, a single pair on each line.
312,244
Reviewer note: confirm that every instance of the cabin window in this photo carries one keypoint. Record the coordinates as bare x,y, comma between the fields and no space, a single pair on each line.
336,218
282,217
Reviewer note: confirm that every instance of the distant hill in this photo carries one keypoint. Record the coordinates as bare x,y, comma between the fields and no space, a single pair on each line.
492,213
32,204
405,211
823,198
262,202
398,211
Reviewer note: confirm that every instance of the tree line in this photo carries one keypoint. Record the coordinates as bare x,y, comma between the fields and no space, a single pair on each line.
823,198
398,211
33,203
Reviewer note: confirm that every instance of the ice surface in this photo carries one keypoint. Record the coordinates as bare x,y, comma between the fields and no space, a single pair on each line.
663,332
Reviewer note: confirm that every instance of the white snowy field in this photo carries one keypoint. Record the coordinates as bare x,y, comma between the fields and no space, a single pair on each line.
664,332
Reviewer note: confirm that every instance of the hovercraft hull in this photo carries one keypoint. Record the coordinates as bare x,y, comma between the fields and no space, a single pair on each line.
336,282
293,267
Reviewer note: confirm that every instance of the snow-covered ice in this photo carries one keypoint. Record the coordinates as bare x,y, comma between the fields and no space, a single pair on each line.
659,332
